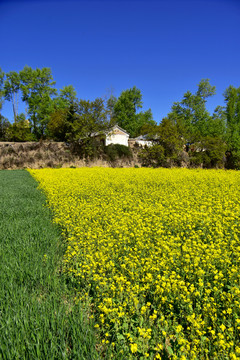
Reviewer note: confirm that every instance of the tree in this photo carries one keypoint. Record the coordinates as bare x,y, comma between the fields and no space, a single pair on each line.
168,144
111,102
37,89
144,118
232,99
89,121
2,75
217,124
91,118
214,152
191,113
152,156
4,125
59,126
205,90
11,90
19,130
170,139
61,119
126,112
198,128
68,94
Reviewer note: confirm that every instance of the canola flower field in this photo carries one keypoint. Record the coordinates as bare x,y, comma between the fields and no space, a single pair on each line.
156,254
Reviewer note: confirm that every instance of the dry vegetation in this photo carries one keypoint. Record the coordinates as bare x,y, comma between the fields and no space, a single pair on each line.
37,155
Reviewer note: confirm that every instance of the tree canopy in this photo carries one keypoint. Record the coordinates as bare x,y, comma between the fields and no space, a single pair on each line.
2,75
37,89
127,114
232,100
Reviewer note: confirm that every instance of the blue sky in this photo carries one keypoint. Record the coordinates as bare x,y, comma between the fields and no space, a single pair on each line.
164,48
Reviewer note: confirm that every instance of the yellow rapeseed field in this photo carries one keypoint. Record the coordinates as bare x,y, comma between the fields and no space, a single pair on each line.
156,252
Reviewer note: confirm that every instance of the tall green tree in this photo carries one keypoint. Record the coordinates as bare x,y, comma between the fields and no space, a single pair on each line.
170,139
111,102
167,146
232,100
2,75
4,125
68,94
59,127
127,112
11,90
90,118
62,115
217,123
37,89
191,113
88,123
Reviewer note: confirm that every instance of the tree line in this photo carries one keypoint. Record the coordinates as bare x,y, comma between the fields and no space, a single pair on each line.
61,115
208,140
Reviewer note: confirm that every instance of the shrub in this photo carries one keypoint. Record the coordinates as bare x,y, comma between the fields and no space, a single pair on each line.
89,148
152,156
210,153
116,151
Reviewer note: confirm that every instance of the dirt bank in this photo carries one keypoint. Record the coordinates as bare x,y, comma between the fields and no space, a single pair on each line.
37,155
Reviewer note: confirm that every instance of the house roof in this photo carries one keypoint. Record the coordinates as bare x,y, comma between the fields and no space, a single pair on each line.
119,128
146,137
141,137
112,129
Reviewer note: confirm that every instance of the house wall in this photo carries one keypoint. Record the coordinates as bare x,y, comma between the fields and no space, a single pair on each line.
117,139
144,142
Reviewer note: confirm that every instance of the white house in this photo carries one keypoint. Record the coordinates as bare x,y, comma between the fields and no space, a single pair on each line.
143,140
117,136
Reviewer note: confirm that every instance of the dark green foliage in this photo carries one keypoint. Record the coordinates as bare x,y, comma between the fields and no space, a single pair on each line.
168,145
232,99
88,148
152,156
38,317
62,116
209,153
59,125
20,130
4,125
217,123
90,119
170,139
2,75
116,151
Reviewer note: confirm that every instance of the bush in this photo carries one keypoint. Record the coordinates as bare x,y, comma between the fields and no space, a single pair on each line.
88,149
19,131
233,160
210,154
116,151
152,156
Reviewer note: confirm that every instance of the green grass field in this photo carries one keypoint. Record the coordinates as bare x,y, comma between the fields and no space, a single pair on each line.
37,317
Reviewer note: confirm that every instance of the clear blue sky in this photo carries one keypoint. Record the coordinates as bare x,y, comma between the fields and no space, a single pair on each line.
163,47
